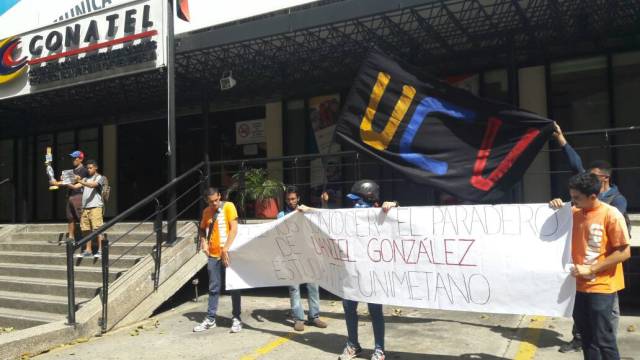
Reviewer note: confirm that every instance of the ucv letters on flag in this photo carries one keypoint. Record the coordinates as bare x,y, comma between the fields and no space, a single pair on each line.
439,135
485,258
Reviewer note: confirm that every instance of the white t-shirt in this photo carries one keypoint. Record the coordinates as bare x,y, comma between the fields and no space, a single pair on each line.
92,197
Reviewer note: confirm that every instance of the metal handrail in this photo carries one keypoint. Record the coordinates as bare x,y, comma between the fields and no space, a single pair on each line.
603,131
72,246
7,180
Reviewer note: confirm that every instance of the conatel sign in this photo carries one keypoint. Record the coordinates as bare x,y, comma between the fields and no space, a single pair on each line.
110,42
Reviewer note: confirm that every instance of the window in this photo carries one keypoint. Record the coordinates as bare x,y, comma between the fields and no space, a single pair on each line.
626,86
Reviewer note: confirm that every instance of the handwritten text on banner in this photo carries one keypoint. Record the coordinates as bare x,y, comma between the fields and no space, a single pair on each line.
502,258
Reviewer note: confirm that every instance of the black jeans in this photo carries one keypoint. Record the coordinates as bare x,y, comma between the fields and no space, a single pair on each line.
592,315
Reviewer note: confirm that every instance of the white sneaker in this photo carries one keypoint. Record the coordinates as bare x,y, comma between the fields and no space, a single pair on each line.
205,325
236,325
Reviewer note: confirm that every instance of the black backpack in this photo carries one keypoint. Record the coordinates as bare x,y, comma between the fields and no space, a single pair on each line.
627,220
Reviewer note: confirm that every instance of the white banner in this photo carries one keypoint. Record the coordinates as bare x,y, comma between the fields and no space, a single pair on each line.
511,259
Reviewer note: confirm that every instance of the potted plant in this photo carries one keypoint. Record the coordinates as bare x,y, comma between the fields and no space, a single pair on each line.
261,189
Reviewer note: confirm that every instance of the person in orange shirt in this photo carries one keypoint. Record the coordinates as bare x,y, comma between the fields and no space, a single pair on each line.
218,229
599,245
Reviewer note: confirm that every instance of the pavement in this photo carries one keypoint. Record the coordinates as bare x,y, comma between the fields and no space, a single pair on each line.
411,334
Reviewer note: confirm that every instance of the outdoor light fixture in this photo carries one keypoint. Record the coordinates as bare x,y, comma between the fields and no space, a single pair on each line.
227,81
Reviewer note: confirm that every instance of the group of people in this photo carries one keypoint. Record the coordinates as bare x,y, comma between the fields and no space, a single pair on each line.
85,204
600,243
218,229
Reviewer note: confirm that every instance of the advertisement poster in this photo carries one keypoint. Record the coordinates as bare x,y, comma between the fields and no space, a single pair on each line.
323,115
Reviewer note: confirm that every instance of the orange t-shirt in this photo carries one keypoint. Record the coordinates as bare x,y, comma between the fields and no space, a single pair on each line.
221,227
596,234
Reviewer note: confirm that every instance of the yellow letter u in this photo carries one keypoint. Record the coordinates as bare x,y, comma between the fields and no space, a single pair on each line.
381,140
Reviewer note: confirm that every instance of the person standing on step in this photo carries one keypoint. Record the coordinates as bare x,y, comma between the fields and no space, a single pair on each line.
218,229
92,205
73,209
599,245
292,199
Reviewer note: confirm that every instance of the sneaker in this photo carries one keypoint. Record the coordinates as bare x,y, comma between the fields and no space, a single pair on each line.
205,325
318,323
85,254
350,352
298,325
378,355
97,255
574,345
236,325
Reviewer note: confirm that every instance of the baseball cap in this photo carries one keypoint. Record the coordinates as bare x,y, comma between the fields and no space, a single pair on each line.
77,154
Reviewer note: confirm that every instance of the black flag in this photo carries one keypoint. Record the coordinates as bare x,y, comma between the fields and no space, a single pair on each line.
438,135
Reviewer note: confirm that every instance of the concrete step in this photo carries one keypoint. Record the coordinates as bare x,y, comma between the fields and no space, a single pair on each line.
90,274
17,257
58,238
120,227
53,287
37,302
49,248
22,319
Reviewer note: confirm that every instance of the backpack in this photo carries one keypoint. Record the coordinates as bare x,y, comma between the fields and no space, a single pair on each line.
105,189
627,220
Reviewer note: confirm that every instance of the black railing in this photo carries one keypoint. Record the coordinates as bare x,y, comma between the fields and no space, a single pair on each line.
196,179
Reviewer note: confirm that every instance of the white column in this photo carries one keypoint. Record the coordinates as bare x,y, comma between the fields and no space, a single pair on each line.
110,166
533,97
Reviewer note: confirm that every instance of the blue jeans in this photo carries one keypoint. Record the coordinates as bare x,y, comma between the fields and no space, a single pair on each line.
214,268
377,321
314,302
594,321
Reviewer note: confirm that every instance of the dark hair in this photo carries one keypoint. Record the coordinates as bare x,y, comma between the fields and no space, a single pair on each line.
91,162
586,183
211,191
291,189
602,165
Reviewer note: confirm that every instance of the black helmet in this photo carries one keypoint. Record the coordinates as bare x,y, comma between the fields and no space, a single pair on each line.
367,190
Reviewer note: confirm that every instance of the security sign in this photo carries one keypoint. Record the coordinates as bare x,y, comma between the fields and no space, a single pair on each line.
250,132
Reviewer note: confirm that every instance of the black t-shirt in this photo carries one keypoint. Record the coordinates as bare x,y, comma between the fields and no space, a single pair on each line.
83,173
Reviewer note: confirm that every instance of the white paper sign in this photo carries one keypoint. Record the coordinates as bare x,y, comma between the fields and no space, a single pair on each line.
502,259
250,132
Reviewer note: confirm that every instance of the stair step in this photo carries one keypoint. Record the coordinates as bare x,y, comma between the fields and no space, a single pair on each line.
49,248
119,227
37,302
56,238
90,274
55,287
19,257
22,319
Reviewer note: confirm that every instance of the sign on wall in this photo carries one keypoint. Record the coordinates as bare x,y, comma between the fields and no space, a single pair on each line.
511,259
72,42
250,132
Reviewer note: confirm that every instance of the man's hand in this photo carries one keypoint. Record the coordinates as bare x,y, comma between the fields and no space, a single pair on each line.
224,256
558,135
388,205
204,247
304,208
584,271
556,204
